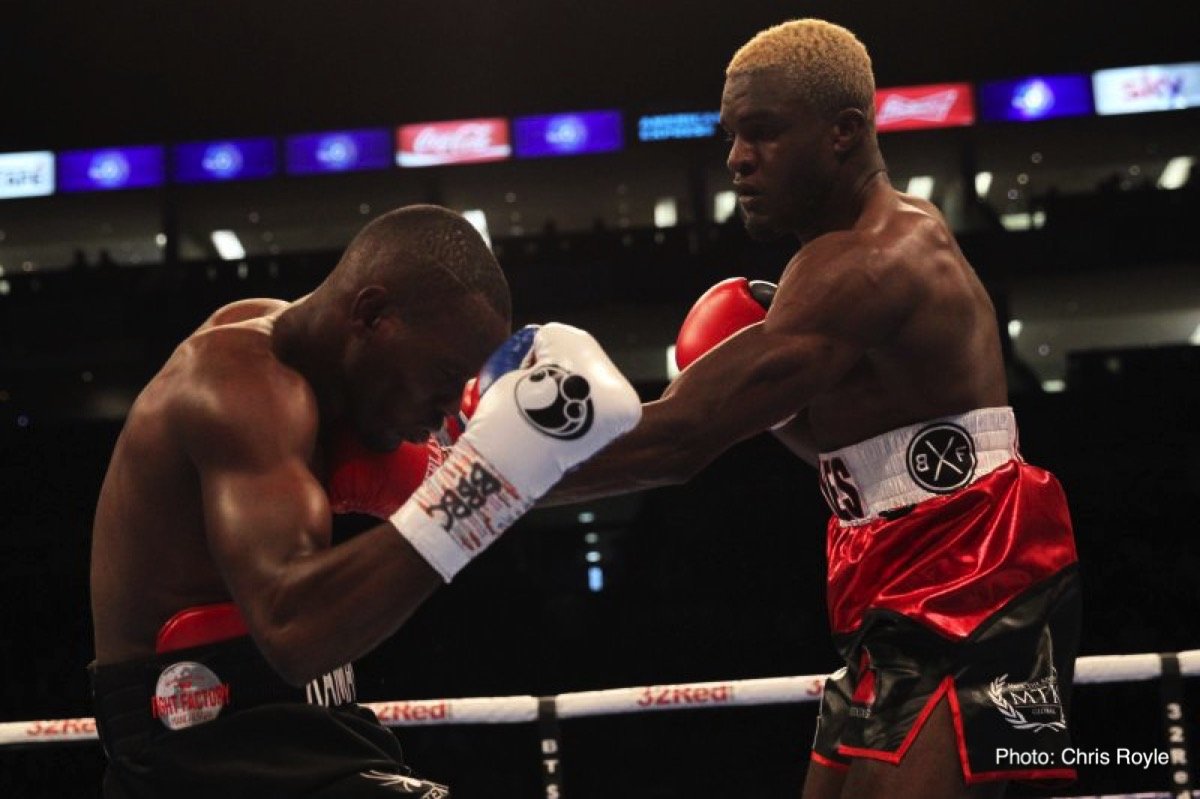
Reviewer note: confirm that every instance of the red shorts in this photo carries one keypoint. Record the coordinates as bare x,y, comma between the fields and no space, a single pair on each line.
972,595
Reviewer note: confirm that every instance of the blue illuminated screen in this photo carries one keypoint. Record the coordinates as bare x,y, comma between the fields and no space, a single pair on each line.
110,168
339,151
690,125
571,133
1035,97
226,159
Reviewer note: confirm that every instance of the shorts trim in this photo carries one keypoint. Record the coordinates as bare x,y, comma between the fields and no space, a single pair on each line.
895,757
1055,775
961,736
821,760
946,688
973,778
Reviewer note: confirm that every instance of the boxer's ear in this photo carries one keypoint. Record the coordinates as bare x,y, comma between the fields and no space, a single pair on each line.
370,305
849,128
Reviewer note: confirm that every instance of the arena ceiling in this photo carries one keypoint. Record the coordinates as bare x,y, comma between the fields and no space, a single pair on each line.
79,73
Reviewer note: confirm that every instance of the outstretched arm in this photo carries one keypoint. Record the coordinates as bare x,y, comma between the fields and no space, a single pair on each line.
749,383
834,302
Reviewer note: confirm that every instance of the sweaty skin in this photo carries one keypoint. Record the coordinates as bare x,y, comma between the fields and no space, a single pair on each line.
214,493
879,321
907,329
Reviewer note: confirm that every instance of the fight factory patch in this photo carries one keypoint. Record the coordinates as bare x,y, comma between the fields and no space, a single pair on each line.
187,694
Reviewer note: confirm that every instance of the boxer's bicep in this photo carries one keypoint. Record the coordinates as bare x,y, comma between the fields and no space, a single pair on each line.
831,308
853,298
751,382
766,376
264,510
261,519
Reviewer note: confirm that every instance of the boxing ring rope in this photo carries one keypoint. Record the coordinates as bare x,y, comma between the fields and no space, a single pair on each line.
546,711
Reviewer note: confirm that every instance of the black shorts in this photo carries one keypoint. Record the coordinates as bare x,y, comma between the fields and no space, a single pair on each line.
237,730
282,750
1007,685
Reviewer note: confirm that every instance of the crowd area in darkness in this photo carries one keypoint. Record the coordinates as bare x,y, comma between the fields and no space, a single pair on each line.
720,578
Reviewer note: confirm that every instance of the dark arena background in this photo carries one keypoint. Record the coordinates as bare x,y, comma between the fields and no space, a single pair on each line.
160,159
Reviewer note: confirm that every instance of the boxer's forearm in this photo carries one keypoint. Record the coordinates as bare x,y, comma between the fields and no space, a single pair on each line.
737,391
661,450
334,605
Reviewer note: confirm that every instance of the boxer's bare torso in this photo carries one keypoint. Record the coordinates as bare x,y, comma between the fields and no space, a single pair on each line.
898,287
150,553
873,327
214,492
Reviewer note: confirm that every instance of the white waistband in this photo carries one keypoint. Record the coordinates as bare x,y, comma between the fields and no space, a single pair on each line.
905,466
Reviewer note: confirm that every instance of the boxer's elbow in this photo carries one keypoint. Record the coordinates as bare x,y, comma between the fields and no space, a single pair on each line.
291,644
287,654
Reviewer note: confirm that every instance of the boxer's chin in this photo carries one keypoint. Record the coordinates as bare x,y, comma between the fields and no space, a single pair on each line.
381,441
760,226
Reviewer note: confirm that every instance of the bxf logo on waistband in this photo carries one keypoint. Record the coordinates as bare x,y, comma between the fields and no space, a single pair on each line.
839,490
941,458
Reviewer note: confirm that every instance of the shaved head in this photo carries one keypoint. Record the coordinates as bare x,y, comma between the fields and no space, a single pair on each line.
424,256
411,311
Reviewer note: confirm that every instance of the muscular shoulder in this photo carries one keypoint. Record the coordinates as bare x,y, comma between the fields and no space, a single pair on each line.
234,398
909,232
244,310
917,235
898,250
868,280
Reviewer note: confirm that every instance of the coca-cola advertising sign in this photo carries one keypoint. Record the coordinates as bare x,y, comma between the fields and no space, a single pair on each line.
936,105
462,141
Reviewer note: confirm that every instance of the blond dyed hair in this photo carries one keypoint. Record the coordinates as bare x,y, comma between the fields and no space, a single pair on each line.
826,63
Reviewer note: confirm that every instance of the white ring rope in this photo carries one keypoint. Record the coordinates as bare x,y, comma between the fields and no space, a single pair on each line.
1093,670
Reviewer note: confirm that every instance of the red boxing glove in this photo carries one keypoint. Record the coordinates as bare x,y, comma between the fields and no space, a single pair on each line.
720,312
377,483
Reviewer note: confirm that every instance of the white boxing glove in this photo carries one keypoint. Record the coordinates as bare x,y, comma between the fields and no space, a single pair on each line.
550,399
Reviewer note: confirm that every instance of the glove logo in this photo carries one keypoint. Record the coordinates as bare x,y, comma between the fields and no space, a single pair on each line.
556,402
941,458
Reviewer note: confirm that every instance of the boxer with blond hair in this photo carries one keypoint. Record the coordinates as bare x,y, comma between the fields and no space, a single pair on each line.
952,579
